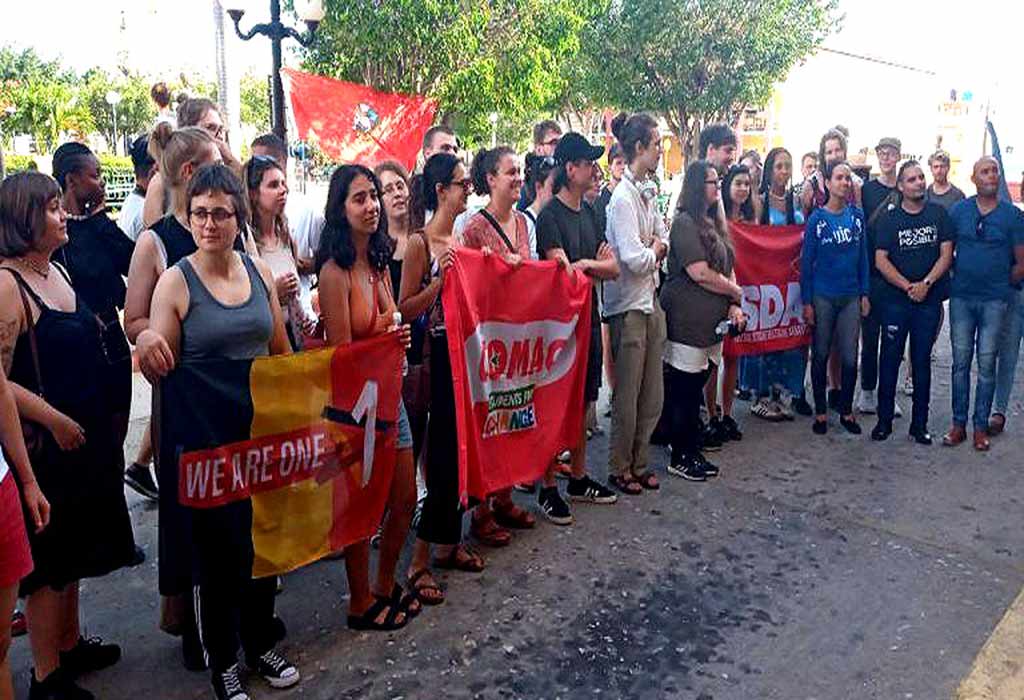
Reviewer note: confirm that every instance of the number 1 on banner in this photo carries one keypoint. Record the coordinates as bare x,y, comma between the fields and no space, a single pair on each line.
367,406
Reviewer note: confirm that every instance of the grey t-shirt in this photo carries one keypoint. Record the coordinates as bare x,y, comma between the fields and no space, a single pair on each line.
953,195
692,312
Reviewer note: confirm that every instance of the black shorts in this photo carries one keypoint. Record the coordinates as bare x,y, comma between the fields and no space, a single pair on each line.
594,366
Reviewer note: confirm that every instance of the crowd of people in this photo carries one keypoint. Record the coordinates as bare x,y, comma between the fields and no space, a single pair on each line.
213,258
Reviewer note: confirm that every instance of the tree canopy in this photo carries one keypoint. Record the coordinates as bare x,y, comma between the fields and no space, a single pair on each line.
698,61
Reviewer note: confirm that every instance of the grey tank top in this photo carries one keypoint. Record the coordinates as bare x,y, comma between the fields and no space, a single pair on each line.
212,330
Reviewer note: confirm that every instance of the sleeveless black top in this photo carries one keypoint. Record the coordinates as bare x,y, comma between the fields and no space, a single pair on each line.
178,242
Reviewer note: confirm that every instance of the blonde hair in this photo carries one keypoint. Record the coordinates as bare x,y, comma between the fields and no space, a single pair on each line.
172,148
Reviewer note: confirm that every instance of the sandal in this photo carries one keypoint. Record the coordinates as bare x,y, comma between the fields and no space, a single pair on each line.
649,481
367,622
470,561
407,602
421,589
626,484
512,516
489,533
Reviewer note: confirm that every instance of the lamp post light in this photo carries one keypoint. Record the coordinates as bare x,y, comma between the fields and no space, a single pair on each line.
311,12
113,99
493,119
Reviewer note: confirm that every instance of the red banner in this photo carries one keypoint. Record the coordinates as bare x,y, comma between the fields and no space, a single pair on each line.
518,340
354,123
768,269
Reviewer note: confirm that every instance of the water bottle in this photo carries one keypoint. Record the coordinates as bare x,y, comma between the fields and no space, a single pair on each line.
396,320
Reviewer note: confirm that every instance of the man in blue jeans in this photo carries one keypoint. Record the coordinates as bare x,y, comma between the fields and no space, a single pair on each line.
1006,361
913,253
989,239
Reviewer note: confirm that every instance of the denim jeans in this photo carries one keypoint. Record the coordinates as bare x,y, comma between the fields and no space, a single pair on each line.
921,323
870,331
840,319
1009,349
974,328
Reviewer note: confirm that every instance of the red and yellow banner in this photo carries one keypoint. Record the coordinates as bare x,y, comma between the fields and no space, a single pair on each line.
768,269
518,341
309,437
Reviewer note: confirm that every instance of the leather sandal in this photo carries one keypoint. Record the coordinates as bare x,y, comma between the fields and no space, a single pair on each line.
649,481
421,589
512,516
469,560
489,533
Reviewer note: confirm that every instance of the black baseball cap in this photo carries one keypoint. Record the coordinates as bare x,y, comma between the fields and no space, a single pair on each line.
574,146
139,153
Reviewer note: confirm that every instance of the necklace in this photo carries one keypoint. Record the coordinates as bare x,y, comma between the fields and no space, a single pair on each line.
41,270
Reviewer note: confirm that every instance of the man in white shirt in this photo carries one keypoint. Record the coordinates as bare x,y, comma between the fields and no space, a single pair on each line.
130,219
636,234
305,220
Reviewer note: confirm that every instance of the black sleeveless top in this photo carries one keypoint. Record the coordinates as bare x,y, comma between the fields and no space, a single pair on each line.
178,242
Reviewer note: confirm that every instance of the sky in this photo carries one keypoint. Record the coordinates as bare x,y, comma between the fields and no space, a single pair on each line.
968,51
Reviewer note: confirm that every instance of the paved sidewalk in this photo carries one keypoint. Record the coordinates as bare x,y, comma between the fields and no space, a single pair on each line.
814,568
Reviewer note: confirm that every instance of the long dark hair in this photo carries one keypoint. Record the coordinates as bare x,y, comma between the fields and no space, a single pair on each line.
438,170
694,203
336,241
747,208
486,163
255,169
766,186
632,130
24,198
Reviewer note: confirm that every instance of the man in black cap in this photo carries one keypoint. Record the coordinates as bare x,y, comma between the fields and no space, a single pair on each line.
130,219
567,231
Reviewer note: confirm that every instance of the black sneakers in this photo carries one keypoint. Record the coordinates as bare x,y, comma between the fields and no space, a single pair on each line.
139,478
881,432
554,508
710,440
729,429
690,468
228,686
587,490
89,655
57,686
275,669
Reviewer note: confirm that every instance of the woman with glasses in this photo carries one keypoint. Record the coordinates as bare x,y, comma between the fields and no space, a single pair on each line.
834,286
443,188
217,303
699,293
268,194
202,114
52,353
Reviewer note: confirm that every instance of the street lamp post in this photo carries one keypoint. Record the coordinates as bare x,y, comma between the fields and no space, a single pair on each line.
493,119
312,14
113,98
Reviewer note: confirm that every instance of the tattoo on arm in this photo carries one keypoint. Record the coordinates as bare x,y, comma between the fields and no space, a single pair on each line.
9,331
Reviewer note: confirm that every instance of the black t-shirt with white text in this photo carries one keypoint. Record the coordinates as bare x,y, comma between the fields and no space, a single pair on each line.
913,242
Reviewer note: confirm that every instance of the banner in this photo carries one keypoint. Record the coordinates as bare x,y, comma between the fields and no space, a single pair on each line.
309,437
768,269
354,123
518,340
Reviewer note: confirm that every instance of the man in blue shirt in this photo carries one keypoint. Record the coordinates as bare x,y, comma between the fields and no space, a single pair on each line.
989,239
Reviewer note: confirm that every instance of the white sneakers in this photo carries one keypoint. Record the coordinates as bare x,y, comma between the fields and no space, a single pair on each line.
868,404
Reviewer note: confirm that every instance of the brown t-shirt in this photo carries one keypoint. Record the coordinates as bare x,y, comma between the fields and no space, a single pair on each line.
692,312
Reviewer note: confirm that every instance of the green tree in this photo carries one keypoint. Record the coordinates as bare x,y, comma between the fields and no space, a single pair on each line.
254,94
135,111
474,56
695,62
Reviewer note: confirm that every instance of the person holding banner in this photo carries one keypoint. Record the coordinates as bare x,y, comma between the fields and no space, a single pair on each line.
772,374
741,206
636,323
443,189
52,353
913,253
699,294
217,303
567,233
834,286
357,302
498,229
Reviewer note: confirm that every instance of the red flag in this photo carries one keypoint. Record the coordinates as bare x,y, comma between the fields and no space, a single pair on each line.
518,340
768,269
354,123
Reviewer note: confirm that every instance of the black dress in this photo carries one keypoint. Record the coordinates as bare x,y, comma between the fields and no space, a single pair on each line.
90,532
97,256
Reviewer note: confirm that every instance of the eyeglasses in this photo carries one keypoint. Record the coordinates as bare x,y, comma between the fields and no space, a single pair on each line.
466,185
716,183
219,216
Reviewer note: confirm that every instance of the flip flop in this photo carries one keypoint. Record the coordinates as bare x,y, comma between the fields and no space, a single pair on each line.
626,484
417,589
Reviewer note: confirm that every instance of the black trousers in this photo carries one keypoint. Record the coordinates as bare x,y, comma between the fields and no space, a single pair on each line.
231,607
919,322
687,396
441,517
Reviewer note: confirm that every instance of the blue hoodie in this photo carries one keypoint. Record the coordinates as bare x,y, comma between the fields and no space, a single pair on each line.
834,262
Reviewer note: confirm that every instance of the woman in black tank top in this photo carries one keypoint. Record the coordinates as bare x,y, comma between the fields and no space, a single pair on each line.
55,359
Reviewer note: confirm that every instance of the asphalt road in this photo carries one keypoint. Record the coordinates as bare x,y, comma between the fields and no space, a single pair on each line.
813,568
